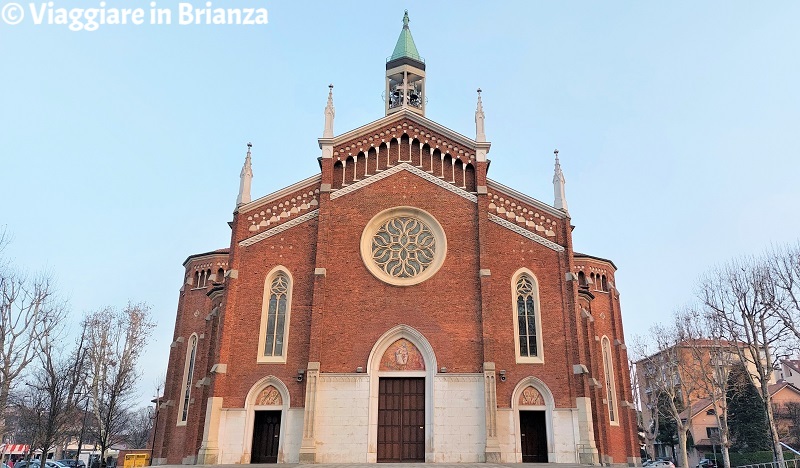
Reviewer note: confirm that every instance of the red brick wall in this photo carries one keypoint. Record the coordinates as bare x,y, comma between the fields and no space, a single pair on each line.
293,249
175,442
618,441
444,308
337,318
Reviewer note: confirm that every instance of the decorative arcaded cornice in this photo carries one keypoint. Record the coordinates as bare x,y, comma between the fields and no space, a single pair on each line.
498,187
404,167
279,229
526,233
311,181
419,119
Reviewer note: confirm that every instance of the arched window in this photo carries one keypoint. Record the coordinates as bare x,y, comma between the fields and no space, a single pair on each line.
220,275
527,317
188,375
338,175
275,317
469,178
611,390
349,171
604,281
458,173
582,279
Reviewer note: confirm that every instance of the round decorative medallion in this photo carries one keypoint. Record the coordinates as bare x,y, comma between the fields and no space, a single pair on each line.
403,246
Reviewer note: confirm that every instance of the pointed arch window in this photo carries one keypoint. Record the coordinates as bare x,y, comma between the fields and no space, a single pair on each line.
275,314
527,318
188,376
611,390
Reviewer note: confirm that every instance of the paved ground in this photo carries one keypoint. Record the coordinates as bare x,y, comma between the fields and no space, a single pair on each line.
397,465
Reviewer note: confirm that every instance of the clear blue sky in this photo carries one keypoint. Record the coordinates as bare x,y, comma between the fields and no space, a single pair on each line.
677,125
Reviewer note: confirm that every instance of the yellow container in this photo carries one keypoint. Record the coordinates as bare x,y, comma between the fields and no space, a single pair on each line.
135,460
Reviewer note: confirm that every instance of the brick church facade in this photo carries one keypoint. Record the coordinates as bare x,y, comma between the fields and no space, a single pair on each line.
398,306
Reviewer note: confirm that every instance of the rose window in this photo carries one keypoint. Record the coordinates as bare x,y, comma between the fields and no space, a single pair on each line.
403,247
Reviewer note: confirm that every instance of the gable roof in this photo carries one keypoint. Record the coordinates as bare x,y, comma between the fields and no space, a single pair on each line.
794,364
404,113
702,405
583,255
224,251
697,408
777,387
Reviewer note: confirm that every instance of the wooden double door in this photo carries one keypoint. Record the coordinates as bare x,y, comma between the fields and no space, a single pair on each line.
533,436
401,420
266,435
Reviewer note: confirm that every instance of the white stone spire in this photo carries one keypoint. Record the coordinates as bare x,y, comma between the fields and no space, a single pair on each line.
330,113
480,134
245,179
560,202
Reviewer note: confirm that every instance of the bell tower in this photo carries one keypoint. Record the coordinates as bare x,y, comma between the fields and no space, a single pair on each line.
405,75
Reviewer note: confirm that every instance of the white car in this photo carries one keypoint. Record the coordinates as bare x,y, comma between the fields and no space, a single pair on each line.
658,464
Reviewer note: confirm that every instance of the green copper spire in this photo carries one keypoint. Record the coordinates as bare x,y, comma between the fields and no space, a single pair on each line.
405,44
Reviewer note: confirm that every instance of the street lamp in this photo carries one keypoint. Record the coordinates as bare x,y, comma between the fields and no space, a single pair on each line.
155,400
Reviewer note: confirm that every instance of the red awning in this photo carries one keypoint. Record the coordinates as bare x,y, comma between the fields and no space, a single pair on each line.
14,449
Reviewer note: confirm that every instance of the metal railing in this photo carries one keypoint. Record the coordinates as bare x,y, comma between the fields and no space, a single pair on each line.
795,463
790,449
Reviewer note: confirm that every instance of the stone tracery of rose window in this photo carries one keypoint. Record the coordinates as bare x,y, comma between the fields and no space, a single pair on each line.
403,247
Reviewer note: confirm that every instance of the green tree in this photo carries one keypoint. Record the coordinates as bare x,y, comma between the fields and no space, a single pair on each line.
747,418
667,427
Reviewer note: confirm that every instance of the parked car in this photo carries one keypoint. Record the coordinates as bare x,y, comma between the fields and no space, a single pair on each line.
38,464
707,463
71,463
662,464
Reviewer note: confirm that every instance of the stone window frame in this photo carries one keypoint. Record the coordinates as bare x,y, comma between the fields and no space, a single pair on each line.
610,381
262,333
539,358
188,377
378,220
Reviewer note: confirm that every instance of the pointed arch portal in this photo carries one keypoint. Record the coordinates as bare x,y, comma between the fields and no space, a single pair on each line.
533,406
266,407
401,368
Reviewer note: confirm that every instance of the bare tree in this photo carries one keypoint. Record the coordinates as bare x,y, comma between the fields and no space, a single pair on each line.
140,428
670,378
50,392
649,404
784,264
742,297
714,357
28,310
115,342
